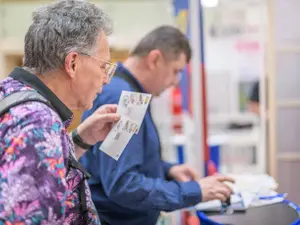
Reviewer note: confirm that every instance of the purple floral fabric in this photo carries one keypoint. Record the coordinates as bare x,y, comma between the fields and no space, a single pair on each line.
34,149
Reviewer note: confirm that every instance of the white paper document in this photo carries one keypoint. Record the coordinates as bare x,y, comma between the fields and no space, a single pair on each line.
132,107
215,205
250,190
118,137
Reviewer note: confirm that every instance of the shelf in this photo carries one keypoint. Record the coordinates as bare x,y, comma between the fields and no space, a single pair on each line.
288,156
288,104
288,49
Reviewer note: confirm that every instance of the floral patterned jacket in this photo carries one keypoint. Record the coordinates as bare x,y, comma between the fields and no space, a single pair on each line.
34,151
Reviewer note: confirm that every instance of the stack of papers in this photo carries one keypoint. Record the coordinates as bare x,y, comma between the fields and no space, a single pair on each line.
268,200
132,107
237,204
249,191
261,184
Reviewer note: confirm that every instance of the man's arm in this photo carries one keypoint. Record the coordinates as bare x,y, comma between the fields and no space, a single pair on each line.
79,151
167,166
33,186
127,186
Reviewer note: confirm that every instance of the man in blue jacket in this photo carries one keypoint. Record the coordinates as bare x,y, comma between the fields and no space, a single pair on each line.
134,189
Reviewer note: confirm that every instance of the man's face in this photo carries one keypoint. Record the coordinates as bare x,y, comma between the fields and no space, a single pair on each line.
168,74
91,74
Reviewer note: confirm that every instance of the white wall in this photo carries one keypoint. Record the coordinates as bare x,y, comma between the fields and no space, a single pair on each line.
132,19
223,61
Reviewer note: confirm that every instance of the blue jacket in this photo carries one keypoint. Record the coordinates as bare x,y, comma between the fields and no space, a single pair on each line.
134,189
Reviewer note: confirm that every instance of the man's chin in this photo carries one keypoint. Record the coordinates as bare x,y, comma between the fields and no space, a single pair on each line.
89,104
87,107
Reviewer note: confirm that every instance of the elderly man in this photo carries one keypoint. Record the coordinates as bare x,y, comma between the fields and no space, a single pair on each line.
66,64
134,189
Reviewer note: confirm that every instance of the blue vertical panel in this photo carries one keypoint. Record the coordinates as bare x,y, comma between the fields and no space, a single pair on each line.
180,154
202,50
182,20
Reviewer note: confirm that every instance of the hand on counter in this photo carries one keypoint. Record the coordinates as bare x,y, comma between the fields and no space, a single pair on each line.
214,188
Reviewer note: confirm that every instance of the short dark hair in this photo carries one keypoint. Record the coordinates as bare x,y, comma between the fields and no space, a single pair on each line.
168,39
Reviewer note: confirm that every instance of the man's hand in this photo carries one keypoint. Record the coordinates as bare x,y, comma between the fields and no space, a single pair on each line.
183,173
213,188
96,127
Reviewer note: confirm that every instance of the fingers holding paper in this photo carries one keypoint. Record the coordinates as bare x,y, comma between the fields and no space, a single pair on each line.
97,126
108,108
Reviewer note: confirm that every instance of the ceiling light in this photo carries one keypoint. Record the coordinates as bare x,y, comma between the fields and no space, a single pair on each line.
209,3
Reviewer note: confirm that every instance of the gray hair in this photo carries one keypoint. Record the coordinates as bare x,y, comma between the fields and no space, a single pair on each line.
168,39
60,28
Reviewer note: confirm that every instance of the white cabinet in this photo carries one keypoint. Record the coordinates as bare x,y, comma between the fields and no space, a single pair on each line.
284,95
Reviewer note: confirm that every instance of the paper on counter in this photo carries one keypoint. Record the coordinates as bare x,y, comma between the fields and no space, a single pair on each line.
258,203
248,189
239,202
215,205
259,184
274,198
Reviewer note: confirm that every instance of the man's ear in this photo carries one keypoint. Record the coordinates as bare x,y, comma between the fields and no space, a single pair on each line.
153,59
71,64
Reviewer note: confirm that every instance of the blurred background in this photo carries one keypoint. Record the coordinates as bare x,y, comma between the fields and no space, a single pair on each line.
237,109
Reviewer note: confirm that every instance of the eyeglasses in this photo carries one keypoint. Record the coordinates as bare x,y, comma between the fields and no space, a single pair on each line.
109,68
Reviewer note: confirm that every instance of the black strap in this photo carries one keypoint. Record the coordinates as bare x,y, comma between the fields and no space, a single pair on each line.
78,140
133,83
21,97
73,163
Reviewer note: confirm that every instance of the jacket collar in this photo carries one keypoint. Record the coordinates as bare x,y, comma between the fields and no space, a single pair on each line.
34,82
